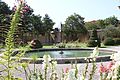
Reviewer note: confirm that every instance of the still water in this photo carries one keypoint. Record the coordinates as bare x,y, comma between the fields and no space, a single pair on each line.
64,54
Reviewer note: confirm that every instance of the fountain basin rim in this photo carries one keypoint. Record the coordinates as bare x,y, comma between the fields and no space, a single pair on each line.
68,60
66,49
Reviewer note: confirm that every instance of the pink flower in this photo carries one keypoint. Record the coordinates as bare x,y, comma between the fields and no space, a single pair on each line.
14,8
66,70
110,64
103,69
24,11
26,7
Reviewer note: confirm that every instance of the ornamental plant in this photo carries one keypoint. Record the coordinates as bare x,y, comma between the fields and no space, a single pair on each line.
7,61
94,40
112,70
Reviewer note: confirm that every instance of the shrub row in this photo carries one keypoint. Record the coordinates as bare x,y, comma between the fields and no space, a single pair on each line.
111,41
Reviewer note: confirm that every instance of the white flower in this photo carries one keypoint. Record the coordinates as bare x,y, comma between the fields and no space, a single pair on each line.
95,40
114,77
53,64
95,52
109,75
116,56
46,58
71,75
46,61
116,67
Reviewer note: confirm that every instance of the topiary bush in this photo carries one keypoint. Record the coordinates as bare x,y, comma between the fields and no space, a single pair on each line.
35,43
94,40
109,41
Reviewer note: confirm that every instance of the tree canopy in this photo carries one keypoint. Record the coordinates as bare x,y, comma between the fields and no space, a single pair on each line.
102,24
4,12
112,21
37,27
74,27
4,20
47,23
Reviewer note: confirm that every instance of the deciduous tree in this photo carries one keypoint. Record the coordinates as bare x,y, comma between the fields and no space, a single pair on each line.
74,27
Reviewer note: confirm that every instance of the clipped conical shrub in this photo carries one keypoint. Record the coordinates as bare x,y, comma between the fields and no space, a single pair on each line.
94,40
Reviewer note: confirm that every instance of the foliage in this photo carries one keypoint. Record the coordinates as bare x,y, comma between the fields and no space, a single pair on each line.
95,24
94,40
4,11
8,63
90,25
74,27
111,31
47,26
47,23
35,43
101,24
74,44
4,21
24,22
109,41
61,45
4,8
37,27
117,41
112,21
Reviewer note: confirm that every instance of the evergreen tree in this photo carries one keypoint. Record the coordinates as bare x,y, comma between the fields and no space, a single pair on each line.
48,26
94,40
5,13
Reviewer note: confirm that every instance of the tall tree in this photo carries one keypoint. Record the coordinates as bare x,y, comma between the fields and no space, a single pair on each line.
111,31
111,21
48,25
74,27
95,24
91,25
37,27
56,34
100,24
4,20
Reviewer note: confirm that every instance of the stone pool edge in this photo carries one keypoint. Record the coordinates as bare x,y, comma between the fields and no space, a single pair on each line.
68,60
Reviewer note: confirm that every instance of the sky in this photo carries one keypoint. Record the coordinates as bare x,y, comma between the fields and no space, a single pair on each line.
59,10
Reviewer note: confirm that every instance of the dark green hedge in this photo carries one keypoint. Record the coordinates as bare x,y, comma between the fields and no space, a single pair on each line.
109,41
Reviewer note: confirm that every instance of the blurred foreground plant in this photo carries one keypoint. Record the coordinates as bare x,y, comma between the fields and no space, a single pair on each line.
10,64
